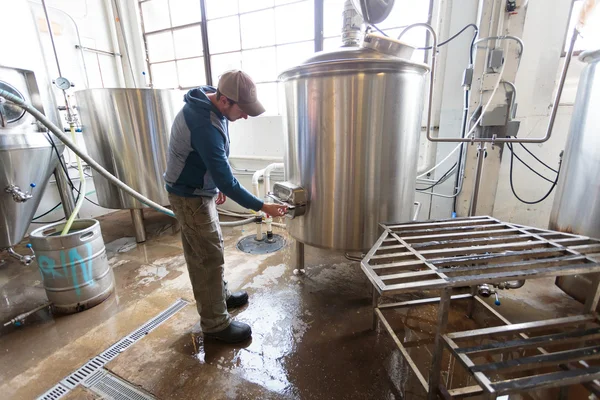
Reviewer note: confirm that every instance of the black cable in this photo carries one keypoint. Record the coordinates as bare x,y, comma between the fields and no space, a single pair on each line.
439,180
64,167
47,222
379,30
540,161
527,165
512,187
47,212
454,37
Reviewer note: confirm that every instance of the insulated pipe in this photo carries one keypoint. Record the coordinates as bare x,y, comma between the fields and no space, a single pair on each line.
93,164
267,173
255,177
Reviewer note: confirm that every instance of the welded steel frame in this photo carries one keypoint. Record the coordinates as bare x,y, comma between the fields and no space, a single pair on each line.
446,254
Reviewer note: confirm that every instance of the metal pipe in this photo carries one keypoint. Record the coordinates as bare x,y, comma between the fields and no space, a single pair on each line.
417,210
512,111
56,56
66,195
137,217
107,53
477,183
21,317
503,37
555,104
300,256
432,72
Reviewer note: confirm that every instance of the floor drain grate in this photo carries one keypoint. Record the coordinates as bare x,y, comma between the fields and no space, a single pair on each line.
111,387
55,393
88,372
82,373
116,349
156,321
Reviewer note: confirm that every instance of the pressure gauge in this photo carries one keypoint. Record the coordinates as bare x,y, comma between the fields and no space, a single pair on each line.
62,83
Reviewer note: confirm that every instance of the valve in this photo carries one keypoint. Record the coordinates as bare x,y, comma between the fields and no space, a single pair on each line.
18,195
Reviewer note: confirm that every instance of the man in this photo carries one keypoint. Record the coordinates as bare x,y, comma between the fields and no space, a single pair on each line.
198,178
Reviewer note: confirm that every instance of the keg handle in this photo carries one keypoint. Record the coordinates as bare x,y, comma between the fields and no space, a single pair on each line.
431,72
86,236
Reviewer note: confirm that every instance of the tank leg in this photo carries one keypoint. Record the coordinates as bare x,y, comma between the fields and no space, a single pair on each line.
299,270
138,225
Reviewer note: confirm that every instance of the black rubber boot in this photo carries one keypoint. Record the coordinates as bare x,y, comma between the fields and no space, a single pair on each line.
236,332
237,299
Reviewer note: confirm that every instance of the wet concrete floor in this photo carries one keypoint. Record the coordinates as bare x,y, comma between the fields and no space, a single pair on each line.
312,336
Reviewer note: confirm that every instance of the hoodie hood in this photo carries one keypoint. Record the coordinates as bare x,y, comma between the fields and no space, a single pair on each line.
198,100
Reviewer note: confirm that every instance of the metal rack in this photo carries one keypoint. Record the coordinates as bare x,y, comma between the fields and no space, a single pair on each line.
466,252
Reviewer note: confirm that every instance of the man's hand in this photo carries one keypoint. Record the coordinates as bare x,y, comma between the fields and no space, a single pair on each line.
220,198
274,210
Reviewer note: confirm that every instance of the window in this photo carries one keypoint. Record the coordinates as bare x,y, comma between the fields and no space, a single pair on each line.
261,37
590,34
404,13
173,42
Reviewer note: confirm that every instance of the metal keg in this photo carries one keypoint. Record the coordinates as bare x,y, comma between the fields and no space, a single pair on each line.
74,267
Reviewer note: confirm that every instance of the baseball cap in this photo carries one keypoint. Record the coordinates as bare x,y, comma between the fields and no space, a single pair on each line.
239,87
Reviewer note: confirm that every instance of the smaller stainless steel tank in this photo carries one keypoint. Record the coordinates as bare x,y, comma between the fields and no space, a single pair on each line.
353,126
576,207
127,131
74,267
26,156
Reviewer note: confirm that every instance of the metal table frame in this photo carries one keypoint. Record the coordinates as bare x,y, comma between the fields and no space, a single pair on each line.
465,252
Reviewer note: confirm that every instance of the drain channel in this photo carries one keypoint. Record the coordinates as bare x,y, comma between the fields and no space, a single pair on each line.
111,387
90,369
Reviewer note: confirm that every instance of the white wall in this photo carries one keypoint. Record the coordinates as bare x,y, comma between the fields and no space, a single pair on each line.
255,143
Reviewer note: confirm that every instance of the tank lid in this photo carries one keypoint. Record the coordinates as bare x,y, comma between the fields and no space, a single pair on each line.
590,56
354,59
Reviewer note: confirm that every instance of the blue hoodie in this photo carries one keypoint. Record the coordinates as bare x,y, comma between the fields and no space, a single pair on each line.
197,162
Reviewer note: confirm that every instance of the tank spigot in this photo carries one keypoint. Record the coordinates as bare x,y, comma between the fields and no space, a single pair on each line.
17,194
24,259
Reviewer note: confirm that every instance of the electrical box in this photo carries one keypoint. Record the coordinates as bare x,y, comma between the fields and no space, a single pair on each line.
496,59
497,116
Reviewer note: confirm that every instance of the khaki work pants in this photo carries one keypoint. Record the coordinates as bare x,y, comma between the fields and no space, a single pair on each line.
203,250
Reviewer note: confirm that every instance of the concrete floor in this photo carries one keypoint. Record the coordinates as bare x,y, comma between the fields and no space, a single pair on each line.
312,336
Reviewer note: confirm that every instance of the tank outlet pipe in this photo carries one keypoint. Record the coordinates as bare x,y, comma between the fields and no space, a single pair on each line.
431,72
25,259
267,175
255,177
93,164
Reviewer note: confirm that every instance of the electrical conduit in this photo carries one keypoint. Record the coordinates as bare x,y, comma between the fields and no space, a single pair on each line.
93,164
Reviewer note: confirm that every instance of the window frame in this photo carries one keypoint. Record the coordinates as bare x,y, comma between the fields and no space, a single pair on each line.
318,37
